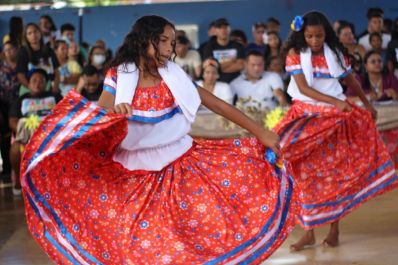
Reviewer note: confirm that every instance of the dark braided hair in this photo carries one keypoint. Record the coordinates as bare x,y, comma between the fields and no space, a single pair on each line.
296,39
146,30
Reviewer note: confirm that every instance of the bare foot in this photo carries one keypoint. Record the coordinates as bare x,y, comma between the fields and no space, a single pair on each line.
332,240
308,239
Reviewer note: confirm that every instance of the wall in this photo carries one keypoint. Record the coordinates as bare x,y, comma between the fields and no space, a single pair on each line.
112,23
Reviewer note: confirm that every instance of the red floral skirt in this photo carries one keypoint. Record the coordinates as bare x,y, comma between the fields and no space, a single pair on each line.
390,138
219,203
339,160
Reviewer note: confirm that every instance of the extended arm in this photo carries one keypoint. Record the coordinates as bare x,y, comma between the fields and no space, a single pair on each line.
231,113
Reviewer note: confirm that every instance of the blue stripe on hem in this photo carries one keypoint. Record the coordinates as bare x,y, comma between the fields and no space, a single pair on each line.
38,197
83,129
47,235
351,205
60,249
261,251
372,174
61,226
58,127
251,241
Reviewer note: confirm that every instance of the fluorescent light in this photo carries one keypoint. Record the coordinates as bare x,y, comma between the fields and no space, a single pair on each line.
59,4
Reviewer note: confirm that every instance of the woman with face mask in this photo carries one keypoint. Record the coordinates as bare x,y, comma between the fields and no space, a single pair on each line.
97,58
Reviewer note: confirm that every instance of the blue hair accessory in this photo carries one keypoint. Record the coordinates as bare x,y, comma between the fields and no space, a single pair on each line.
297,23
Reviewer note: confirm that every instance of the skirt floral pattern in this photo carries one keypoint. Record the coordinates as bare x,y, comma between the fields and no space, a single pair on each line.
219,203
338,158
390,138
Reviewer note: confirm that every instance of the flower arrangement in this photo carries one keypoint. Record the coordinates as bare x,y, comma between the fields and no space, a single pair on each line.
274,117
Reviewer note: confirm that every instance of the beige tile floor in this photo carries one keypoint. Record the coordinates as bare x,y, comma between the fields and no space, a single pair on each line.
369,236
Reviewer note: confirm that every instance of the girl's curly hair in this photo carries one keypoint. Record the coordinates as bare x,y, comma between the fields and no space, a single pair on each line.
296,39
146,30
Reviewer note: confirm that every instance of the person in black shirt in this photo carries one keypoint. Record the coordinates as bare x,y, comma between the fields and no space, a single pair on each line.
258,31
33,106
35,54
211,33
229,54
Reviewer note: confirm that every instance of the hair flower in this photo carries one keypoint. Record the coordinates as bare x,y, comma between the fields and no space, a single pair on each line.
297,23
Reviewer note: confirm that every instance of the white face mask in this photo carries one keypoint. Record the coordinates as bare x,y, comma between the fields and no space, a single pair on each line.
98,59
66,40
265,38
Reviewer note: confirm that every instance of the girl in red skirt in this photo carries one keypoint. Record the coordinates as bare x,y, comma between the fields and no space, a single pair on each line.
337,156
124,183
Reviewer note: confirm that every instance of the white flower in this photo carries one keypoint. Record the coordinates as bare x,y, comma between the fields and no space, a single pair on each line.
94,214
111,213
201,208
145,244
245,150
179,246
66,182
243,189
81,184
166,259
193,223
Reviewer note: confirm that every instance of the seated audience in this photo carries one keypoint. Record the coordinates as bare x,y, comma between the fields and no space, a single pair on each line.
229,54
256,87
210,83
33,107
189,60
258,31
69,70
377,84
90,84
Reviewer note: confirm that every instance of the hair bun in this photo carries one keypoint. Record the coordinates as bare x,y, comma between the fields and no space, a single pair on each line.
297,23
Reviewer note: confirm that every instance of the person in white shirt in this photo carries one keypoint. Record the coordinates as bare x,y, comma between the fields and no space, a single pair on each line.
256,87
375,24
210,76
189,60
